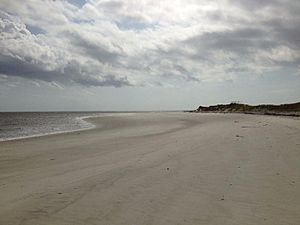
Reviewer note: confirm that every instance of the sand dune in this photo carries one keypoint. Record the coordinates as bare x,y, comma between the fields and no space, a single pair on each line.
156,168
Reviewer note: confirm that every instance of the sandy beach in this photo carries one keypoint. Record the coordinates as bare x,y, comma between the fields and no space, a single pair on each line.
156,168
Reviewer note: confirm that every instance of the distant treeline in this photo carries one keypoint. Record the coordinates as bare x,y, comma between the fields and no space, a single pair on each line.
284,109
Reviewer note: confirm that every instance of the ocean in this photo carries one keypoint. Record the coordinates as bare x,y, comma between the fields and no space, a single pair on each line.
15,125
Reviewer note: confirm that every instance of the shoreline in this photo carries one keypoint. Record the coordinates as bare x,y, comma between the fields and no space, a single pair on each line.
84,118
93,126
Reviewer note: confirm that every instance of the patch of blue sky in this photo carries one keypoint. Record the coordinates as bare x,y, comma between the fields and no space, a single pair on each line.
83,21
78,3
134,25
35,30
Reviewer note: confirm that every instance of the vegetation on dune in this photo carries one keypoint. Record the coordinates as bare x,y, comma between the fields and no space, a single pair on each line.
283,109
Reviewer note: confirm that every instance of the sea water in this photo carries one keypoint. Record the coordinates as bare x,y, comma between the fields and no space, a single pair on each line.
15,125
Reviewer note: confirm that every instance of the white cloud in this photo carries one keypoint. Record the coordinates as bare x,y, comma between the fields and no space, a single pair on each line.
125,43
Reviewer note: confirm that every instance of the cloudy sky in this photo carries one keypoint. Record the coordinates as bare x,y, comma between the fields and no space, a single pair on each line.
147,54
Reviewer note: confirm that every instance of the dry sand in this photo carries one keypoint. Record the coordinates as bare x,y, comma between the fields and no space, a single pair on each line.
156,168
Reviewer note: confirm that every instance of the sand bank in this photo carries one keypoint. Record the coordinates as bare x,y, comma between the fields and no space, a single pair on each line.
156,168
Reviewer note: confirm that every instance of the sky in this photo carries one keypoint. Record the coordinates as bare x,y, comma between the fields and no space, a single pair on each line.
107,55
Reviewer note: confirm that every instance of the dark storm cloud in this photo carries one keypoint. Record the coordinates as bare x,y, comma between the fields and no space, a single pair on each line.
248,43
235,41
280,17
71,72
16,67
255,4
287,32
290,6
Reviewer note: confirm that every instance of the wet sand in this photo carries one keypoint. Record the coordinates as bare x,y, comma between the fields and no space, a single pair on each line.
156,168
